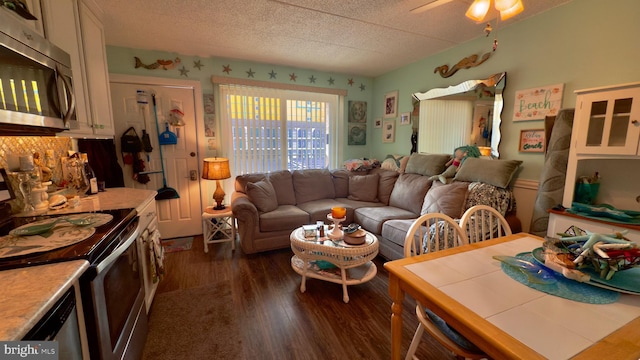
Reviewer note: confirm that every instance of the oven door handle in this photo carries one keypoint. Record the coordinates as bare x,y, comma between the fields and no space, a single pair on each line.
122,247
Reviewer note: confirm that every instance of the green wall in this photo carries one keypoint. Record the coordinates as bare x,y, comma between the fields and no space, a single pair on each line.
583,44
121,61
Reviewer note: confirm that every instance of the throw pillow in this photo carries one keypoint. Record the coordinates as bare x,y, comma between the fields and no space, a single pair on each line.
313,184
448,199
427,164
363,187
494,172
385,185
262,195
409,191
282,183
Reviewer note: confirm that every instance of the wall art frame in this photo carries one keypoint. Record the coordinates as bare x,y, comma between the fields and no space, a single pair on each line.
536,103
532,140
405,118
389,131
377,123
391,104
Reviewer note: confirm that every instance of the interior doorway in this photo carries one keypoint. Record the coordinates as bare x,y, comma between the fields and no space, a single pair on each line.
177,217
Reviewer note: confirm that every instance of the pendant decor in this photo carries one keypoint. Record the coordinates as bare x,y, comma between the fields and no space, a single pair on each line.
466,63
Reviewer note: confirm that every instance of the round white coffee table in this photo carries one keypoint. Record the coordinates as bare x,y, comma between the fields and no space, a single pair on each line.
352,264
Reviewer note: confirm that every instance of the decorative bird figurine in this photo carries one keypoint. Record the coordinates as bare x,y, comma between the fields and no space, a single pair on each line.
159,64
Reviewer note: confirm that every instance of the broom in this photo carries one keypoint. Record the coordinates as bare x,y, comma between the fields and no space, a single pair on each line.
165,192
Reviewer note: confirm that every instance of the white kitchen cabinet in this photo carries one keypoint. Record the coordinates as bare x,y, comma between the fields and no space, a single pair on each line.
35,10
605,139
609,120
75,26
148,234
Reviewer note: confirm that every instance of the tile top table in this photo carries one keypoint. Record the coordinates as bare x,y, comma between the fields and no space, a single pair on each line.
505,318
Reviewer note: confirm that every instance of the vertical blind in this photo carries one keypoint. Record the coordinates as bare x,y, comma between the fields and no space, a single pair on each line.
450,134
267,130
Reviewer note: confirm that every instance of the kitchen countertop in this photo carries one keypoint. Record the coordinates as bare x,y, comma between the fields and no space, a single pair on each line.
28,293
110,199
31,291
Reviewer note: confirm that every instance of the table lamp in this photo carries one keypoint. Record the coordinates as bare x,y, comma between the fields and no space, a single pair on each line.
216,169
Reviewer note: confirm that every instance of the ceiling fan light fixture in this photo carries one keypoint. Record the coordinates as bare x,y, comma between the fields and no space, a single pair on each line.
514,10
502,5
478,10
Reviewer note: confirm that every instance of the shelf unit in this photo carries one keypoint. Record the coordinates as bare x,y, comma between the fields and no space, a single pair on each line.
605,139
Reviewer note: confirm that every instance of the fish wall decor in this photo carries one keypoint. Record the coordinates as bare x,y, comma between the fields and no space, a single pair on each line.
159,64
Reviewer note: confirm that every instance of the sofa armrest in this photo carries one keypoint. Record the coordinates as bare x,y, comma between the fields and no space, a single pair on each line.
247,217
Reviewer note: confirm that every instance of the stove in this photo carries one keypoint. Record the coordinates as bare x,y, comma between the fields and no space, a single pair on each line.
94,249
111,288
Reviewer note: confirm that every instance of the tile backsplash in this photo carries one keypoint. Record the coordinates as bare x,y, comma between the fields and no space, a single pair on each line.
30,145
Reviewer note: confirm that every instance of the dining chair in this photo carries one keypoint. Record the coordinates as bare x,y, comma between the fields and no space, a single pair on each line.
482,222
428,233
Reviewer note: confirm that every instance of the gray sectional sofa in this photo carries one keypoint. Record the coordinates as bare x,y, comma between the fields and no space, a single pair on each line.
269,206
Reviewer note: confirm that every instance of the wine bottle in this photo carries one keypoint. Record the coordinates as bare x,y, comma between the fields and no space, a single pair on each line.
90,175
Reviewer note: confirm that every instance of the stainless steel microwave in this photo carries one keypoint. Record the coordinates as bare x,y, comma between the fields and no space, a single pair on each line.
36,83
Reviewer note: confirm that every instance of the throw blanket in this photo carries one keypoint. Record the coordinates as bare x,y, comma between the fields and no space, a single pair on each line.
479,193
361,164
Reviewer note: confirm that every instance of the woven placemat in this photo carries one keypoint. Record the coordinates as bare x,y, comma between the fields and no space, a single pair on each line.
565,288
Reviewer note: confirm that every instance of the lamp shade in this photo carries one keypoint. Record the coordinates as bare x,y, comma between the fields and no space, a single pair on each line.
216,169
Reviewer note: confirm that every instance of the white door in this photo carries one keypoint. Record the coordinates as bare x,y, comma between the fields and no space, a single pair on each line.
177,217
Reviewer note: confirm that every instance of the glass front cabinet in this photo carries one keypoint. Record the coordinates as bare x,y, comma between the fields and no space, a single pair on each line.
609,120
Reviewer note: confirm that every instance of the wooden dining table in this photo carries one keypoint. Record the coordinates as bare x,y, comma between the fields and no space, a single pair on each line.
505,318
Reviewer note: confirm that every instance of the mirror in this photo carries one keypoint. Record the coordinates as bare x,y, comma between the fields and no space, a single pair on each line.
467,113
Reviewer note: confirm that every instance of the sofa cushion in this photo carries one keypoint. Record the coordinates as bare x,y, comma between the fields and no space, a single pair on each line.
363,187
396,230
285,217
385,185
243,180
448,199
372,218
494,172
409,191
262,195
282,182
427,164
340,179
312,184
319,209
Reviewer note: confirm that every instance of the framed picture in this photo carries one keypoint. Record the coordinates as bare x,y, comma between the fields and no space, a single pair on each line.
377,123
209,104
357,134
389,131
405,118
532,140
358,112
536,103
391,104
210,125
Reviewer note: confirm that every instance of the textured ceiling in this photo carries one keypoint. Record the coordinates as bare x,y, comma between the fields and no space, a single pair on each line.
357,37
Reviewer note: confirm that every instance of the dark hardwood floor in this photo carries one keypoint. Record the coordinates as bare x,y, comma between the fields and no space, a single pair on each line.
280,322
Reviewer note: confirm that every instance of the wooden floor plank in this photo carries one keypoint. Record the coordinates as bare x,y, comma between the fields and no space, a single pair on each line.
277,321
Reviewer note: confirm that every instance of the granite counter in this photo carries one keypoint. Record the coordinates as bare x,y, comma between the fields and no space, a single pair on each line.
28,293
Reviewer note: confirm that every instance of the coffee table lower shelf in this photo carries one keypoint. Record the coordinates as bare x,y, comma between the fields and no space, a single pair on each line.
339,275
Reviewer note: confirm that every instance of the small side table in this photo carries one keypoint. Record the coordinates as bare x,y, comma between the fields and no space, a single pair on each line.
224,225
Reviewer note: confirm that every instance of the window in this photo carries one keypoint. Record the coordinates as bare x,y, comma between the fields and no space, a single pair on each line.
273,129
